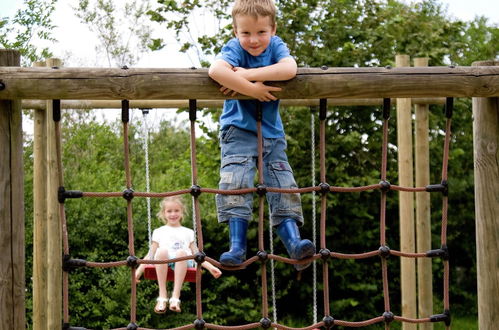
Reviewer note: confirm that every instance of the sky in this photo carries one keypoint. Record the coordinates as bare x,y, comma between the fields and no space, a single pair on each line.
78,53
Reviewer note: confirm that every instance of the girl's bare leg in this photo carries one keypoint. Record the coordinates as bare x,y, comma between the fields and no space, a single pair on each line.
162,271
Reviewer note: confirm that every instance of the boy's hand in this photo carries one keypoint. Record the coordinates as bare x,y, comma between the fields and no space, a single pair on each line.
228,91
262,92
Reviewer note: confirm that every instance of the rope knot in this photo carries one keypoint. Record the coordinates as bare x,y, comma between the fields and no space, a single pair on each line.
265,323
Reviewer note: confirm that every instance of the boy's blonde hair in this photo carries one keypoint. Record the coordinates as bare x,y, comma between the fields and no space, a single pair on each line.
254,8
166,200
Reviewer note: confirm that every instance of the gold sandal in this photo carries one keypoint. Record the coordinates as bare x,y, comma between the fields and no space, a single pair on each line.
175,304
161,305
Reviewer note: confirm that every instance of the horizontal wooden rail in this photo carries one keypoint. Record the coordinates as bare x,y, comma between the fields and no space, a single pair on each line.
154,104
310,83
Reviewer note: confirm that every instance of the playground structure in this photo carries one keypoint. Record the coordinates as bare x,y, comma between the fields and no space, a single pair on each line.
481,82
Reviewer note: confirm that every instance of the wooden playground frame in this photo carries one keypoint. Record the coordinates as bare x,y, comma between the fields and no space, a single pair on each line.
167,87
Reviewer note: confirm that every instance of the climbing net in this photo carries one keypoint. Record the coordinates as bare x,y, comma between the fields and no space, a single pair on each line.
324,254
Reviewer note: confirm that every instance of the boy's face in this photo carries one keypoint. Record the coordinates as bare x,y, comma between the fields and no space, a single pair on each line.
254,34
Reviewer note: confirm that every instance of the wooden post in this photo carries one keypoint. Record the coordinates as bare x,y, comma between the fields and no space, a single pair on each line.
12,273
423,216
486,159
54,230
40,265
406,203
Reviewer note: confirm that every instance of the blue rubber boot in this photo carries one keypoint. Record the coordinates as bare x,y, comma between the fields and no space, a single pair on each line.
297,248
237,234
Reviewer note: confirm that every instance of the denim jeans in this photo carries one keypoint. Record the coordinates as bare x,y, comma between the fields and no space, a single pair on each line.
239,151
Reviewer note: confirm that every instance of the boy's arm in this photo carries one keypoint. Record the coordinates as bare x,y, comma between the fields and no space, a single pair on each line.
223,73
285,69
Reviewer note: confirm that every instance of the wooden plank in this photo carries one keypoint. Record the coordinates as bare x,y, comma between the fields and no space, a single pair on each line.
12,277
164,104
40,266
54,230
167,84
406,204
486,160
423,216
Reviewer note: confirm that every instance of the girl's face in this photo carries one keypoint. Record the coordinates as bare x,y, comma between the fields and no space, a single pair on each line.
254,34
173,213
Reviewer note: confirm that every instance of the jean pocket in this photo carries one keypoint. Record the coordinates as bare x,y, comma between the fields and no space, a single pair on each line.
226,134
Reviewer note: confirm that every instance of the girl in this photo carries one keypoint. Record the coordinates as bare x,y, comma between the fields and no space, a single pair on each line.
173,241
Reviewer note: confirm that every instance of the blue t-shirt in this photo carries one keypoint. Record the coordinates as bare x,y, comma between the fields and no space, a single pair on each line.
242,113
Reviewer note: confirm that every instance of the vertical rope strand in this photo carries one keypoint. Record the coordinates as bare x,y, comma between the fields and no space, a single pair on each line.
322,159
449,105
261,243
382,229
148,181
196,218
125,116
314,213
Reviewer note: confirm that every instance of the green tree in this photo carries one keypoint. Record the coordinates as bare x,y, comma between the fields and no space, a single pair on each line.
121,29
30,23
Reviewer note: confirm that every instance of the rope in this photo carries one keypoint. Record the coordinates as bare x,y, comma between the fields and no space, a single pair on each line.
324,254
314,213
145,133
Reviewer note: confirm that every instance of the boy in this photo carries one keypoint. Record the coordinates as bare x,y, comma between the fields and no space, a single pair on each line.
255,55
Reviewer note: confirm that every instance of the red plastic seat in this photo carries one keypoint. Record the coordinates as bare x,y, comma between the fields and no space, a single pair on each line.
150,274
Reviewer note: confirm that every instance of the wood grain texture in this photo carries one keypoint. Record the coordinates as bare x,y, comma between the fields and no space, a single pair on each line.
174,84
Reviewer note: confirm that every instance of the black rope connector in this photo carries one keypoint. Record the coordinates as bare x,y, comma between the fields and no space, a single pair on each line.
384,251
265,323
131,261
259,111
325,254
388,316
62,194
125,111
387,103
56,110
2,85
199,324
262,255
444,317
199,257
328,321
325,188
67,326
322,109
132,326
195,190
449,107
124,67
442,187
388,67
69,264
192,110
261,189
324,67
385,186
128,194
443,253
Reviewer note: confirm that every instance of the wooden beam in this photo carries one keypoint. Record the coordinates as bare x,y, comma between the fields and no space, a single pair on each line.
406,204
173,84
54,230
165,104
486,160
12,258
423,215
40,265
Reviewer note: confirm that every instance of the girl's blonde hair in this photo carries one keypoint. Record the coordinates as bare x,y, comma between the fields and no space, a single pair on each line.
166,200
254,8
